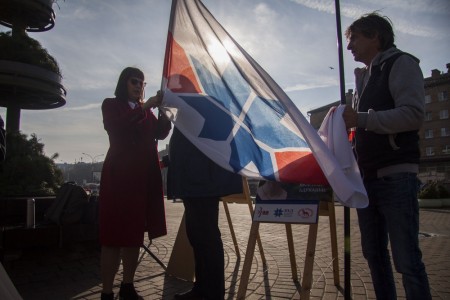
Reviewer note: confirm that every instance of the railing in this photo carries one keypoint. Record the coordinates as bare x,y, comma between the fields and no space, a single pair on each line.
14,210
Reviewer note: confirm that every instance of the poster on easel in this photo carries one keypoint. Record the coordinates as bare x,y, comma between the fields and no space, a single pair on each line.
288,203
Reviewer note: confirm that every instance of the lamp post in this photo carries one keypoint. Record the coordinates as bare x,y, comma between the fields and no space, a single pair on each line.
93,160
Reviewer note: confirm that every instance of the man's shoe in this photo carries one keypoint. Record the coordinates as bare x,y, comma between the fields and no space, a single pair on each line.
191,295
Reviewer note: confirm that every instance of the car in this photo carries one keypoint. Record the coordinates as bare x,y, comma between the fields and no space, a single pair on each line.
92,188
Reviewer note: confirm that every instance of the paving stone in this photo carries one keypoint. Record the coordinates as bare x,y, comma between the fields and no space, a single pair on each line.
73,272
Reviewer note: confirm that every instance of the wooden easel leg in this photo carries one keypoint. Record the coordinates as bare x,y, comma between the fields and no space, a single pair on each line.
309,262
248,261
333,237
291,252
258,238
261,250
230,224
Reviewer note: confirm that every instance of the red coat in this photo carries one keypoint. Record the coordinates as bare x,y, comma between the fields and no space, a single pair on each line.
131,194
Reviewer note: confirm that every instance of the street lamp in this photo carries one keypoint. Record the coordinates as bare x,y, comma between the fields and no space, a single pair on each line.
92,162
92,158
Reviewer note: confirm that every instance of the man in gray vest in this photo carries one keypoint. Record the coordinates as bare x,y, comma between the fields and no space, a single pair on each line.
388,110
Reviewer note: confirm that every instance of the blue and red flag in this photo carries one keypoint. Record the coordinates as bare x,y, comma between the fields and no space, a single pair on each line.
232,110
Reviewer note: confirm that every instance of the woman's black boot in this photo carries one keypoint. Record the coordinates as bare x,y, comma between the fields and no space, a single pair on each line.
107,296
127,292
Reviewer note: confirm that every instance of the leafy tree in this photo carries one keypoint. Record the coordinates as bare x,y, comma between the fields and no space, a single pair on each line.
26,170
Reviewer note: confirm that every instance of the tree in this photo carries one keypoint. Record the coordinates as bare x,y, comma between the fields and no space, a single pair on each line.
26,170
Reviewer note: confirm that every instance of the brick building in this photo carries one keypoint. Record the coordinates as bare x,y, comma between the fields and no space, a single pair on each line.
435,132
317,115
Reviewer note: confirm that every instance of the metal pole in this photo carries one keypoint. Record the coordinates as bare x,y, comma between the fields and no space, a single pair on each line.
347,262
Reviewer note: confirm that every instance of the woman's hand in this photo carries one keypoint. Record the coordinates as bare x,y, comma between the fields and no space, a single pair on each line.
153,101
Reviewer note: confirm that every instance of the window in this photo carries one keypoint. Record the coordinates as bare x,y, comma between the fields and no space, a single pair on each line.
431,169
445,131
428,116
429,133
443,114
442,96
429,151
427,98
446,149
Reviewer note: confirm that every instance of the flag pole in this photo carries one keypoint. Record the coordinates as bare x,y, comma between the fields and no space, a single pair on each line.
347,266
169,30
166,55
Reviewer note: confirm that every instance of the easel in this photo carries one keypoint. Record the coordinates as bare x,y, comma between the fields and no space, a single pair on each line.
326,208
243,198
181,263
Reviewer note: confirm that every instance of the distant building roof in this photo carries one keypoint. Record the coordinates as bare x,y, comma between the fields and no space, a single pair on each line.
325,107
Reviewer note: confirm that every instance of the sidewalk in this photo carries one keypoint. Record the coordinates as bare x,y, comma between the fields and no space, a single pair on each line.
73,272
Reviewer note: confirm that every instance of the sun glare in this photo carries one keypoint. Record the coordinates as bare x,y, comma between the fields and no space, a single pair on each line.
218,52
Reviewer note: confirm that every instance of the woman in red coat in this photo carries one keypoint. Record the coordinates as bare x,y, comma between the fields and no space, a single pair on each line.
131,194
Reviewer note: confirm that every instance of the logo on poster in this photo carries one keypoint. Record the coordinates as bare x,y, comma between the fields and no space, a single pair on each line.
278,212
288,212
262,212
305,212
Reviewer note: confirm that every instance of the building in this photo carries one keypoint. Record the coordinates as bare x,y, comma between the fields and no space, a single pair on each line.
317,115
435,132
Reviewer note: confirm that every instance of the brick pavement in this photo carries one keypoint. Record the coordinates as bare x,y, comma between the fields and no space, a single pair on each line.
72,272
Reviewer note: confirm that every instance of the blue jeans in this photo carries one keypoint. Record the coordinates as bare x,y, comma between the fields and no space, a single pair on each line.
393,215
202,229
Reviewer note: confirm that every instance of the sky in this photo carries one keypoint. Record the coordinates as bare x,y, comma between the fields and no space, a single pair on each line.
295,41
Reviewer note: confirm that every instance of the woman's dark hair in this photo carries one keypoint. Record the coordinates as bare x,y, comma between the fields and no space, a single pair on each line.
371,25
121,88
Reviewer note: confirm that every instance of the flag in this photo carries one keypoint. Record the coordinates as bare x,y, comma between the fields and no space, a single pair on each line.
219,97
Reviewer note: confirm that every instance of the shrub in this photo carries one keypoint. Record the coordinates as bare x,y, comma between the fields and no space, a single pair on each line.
443,192
22,48
433,190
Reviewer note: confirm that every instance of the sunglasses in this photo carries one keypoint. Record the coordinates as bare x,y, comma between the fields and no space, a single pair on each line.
136,81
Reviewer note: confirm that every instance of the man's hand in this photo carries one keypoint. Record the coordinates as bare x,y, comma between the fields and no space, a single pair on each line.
350,117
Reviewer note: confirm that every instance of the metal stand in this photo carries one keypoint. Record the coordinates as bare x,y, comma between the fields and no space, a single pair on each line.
147,249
